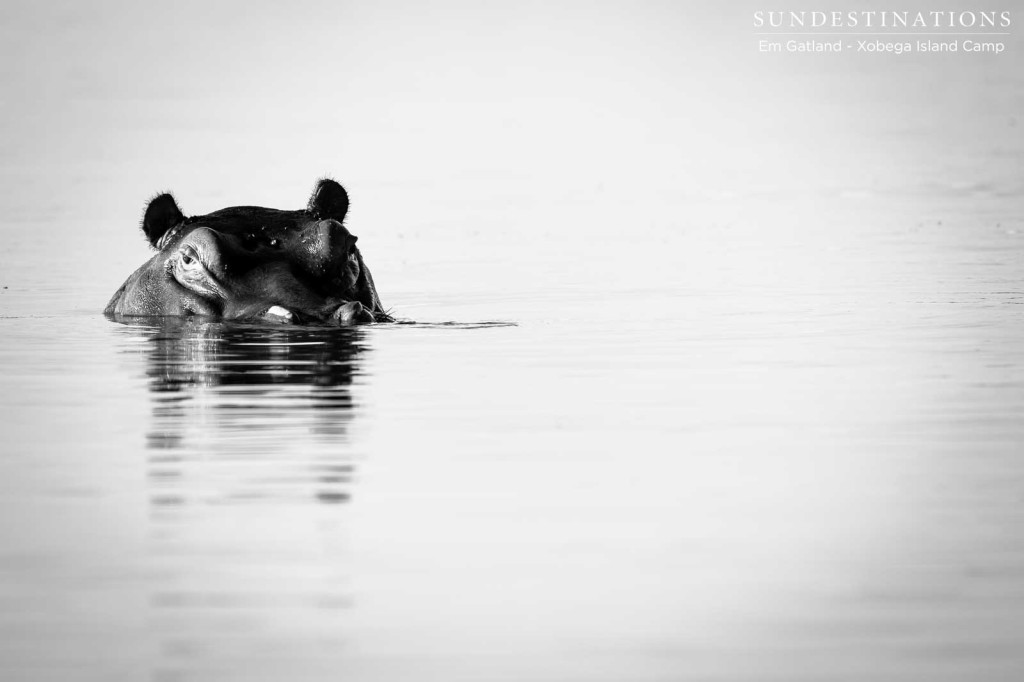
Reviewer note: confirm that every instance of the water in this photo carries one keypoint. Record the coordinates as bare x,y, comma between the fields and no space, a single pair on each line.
734,394
641,482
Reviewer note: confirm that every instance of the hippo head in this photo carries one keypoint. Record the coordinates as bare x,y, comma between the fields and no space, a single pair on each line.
251,263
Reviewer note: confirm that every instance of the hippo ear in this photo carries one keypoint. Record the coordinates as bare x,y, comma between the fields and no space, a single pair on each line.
329,200
161,215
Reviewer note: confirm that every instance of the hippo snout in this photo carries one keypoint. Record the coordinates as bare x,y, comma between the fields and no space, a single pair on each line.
351,313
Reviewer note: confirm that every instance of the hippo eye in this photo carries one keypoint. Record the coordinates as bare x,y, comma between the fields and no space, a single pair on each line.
189,256
191,272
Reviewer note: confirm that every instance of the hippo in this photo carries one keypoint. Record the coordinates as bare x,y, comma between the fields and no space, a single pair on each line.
253,264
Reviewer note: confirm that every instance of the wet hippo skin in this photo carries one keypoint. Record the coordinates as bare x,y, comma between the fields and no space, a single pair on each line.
253,263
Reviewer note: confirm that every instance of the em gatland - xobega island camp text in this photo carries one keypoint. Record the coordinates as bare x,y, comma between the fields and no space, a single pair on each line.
882,46
876,46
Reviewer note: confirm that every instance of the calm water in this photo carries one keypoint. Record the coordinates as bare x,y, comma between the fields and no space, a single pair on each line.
802,473
734,394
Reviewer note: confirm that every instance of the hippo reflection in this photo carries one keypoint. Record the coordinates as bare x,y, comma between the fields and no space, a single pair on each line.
252,263
242,414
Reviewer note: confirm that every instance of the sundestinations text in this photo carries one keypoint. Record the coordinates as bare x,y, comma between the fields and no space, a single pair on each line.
882,19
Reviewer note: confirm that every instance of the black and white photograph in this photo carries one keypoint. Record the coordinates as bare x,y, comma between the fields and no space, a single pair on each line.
561,341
